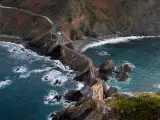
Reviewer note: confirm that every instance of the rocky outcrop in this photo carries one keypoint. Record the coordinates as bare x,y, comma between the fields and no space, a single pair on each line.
107,67
91,17
111,91
80,112
122,72
122,17
128,106
73,95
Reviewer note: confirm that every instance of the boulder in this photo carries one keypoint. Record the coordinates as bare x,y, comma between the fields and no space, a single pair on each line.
111,91
103,76
122,76
57,82
73,95
58,97
122,72
125,68
107,67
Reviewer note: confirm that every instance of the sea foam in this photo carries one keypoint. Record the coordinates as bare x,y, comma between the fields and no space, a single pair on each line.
19,52
53,76
49,98
20,69
103,53
156,86
5,83
114,41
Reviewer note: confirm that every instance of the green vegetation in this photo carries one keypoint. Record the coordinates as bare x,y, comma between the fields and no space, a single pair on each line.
145,106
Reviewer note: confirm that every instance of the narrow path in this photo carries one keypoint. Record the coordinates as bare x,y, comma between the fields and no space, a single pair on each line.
34,14
28,12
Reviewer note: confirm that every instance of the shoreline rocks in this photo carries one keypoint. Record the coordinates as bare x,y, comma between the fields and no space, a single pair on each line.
107,67
122,73
73,95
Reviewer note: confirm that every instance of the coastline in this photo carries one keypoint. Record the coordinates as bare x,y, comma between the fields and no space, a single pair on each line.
82,45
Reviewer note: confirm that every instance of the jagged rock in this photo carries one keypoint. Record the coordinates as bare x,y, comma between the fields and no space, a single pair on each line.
107,67
57,82
80,112
122,76
52,115
103,76
125,68
73,95
58,97
111,91
122,72
108,114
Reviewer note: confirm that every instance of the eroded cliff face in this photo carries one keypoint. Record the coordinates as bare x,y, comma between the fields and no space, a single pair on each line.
123,106
76,18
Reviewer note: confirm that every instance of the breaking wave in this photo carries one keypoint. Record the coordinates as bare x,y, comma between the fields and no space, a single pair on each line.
52,72
114,41
5,83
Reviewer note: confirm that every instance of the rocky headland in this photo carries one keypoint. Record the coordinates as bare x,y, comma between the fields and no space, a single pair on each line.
60,29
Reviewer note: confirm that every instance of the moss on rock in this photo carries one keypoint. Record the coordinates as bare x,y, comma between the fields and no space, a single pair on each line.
145,106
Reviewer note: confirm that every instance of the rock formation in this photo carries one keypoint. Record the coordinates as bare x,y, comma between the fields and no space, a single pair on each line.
107,67
39,22
127,17
73,96
122,72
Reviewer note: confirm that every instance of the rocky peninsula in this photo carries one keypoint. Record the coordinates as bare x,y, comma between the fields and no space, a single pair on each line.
60,29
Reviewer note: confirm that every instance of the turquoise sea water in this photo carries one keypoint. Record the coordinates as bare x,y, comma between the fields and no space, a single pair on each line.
142,54
27,80
27,84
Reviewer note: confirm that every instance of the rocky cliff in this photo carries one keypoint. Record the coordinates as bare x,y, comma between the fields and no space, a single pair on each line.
123,17
40,21
123,106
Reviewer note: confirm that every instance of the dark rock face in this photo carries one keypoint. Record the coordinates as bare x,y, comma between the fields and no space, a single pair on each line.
73,95
107,67
103,76
125,68
80,112
122,76
85,77
122,72
58,97
57,82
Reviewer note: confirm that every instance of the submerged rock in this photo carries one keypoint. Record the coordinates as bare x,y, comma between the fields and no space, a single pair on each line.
57,82
73,95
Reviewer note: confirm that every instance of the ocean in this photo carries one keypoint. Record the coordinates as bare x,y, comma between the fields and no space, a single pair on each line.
28,81
28,84
143,55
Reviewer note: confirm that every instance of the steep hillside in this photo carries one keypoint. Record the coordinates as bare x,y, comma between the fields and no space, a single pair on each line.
76,18
139,106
